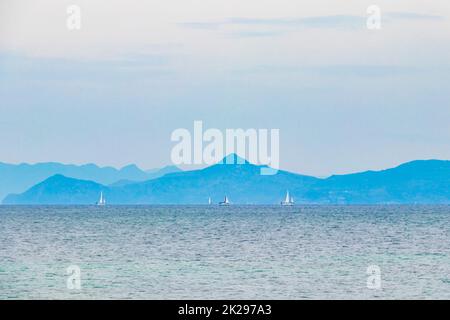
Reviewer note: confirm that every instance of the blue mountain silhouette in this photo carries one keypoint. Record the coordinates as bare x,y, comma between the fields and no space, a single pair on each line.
18,178
424,181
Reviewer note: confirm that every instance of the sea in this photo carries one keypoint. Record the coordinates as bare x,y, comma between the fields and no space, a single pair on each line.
231,252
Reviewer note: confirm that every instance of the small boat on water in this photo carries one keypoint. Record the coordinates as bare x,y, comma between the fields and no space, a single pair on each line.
288,201
209,201
102,200
225,202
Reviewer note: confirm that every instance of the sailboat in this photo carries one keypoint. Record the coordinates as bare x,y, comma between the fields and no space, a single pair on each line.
209,201
288,201
102,200
225,202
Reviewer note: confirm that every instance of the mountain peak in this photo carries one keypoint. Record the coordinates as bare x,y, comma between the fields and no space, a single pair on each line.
233,158
130,167
56,177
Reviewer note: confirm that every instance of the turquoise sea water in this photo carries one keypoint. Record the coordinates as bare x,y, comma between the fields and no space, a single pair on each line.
236,252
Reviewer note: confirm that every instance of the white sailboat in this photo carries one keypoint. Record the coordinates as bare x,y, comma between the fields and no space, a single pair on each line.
225,202
288,201
102,200
209,201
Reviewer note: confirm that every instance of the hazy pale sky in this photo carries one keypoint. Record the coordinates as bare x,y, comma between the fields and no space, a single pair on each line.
344,97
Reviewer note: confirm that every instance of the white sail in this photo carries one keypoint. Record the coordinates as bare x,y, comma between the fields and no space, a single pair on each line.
225,202
102,200
288,200
209,200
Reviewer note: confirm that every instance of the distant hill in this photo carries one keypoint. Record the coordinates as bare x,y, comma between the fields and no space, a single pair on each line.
50,191
156,173
18,178
151,174
421,181
413,182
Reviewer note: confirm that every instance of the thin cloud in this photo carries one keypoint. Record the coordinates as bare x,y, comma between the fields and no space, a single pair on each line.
255,34
413,16
335,21
283,25
335,70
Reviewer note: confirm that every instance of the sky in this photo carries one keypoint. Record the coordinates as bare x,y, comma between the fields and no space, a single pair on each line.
345,98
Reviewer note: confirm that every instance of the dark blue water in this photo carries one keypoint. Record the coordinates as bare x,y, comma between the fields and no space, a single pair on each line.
236,252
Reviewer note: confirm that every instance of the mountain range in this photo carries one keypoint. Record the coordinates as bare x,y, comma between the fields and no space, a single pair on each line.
18,178
416,182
